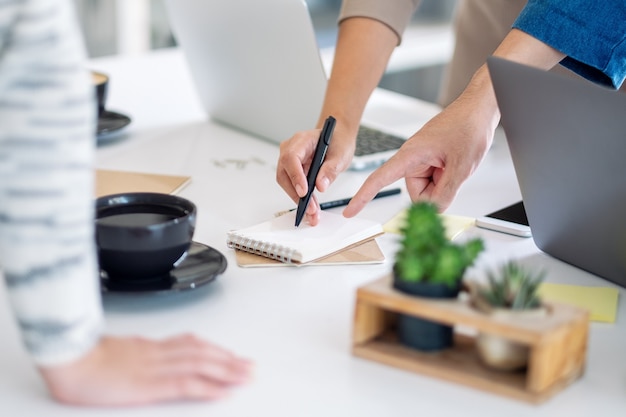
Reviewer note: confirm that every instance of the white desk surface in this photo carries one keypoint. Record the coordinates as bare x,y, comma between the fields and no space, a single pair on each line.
295,323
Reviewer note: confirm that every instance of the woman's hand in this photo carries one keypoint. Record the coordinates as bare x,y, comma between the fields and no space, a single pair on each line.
134,371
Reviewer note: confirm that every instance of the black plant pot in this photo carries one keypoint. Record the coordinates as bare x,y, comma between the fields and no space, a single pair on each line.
418,333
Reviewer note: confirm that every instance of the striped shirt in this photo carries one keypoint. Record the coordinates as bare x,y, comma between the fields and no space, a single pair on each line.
47,119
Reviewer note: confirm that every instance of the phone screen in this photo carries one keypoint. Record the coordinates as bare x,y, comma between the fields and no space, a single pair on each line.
514,213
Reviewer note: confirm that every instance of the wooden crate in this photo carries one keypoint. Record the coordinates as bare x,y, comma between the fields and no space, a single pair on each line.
557,344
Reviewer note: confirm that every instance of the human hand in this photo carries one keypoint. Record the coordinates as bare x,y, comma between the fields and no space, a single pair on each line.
135,371
294,162
437,159
447,150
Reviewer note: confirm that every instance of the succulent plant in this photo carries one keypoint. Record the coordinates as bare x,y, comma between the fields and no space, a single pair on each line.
513,287
426,254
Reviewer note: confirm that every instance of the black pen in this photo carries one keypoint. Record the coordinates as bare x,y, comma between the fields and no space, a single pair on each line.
345,201
318,159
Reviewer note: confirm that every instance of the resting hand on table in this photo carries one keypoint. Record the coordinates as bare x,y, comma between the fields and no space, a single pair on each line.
134,371
296,155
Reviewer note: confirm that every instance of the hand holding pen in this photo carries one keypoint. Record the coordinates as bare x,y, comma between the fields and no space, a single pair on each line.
318,159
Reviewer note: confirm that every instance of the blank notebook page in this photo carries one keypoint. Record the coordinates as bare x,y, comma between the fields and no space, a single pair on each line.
279,239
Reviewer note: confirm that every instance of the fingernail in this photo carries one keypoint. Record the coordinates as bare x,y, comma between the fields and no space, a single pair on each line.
325,183
300,190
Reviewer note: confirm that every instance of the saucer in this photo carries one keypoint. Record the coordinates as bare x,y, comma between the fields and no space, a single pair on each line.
200,266
110,123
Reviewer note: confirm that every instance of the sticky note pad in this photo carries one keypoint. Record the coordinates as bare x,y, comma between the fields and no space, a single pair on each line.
600,301
455,225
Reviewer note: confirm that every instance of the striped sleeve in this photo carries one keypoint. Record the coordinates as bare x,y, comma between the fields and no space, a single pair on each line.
47,119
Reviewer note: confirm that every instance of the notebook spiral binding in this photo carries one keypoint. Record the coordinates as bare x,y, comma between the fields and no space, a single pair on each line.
266,249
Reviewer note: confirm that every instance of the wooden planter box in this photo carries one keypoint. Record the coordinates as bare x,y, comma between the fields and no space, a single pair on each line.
558,344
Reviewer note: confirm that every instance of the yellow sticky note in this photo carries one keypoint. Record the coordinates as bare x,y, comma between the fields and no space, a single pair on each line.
600,301
395,224
455,225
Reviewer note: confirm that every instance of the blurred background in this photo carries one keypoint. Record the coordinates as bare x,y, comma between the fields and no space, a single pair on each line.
135,26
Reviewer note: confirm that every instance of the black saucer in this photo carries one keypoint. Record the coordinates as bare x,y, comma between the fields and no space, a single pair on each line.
110,123
201,265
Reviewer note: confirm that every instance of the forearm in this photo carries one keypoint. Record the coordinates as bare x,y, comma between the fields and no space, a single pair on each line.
363,49
438,158
519,47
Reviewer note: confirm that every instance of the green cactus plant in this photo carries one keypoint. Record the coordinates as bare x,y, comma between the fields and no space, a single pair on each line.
513,287
511,293
426,254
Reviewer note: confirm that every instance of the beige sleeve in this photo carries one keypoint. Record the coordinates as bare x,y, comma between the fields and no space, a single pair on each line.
479,27
394,13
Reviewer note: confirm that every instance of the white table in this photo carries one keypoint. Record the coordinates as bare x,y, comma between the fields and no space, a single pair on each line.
295,322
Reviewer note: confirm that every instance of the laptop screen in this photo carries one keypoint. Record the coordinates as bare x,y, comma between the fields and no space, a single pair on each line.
567,139
256,64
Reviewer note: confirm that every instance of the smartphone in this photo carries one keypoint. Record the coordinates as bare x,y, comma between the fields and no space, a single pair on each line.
511,220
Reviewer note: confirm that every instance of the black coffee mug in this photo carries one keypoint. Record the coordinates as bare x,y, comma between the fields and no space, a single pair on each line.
101,84
142,235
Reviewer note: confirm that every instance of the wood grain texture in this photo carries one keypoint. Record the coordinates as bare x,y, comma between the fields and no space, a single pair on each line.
557,343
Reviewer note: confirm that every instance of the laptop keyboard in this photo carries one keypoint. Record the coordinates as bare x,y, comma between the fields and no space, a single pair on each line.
370,141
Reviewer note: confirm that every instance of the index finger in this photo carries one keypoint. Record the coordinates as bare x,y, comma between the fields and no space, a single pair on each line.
381,177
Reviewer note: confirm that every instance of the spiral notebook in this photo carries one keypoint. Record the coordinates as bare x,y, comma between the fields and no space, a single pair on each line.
280,240
363,253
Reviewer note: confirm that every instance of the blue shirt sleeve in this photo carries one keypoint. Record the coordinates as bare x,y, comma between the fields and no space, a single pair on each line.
591,33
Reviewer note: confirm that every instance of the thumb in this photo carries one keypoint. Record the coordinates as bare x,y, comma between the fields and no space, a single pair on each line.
331,168
445,185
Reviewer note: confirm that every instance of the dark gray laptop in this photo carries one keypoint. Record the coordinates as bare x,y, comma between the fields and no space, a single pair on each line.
567,139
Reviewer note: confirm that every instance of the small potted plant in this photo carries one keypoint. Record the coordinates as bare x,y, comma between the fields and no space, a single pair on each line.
428,264
511,294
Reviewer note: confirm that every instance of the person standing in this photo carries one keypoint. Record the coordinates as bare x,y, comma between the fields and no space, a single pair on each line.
47,245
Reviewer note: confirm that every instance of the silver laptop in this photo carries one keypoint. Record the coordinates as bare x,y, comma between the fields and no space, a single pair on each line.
567,139
257,67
